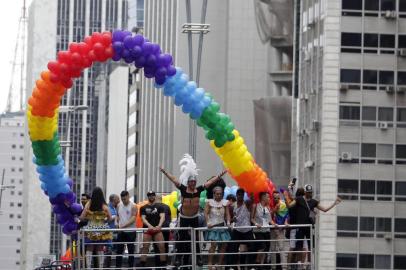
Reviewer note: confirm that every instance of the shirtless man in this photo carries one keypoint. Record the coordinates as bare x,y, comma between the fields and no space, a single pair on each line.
189,212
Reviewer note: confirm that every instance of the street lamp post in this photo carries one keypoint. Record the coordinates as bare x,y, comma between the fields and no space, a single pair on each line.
67,144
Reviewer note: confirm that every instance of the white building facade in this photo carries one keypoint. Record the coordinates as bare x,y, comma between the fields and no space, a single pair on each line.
11,188
350,128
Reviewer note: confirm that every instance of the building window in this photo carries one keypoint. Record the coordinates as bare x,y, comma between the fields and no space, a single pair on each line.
387,5
384,153
369,116
348,189
385,114
366,226
351,76
386,77
384,190
347,226
349,112
17,251
346,260
400,227
366,261
369,79
371,42
11,216
367,190
18,239
383,225
401,117
11,204
387,43
401,154
19,204
13,158
351,42
400,191
349,152
13,146
352,7
10,227
382,262
368,152
399,262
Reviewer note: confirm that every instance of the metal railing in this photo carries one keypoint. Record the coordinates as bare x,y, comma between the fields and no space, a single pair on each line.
188,248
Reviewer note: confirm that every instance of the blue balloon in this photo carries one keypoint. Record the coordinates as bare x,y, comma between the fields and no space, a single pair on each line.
233,190
186,108
226,192
191,87
178,100
171,71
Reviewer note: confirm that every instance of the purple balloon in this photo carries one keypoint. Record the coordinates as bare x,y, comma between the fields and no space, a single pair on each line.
70,197
60,198
116,57
140,61
151,61
156,49
129,42
76,208
167,59
118,47
136,52
159,81
138,39
59,208
128,59
125,53
118,36
148,75
160,72
160,60
69,182
147,48
171,70
63,217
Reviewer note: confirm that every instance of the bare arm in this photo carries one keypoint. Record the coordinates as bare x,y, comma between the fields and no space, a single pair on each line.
206,214
253,210
161,220
326,209
145,221
214,179
288,199
228,216
107,212
85,210
171,177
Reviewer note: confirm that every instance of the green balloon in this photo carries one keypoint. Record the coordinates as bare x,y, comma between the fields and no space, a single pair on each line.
176,204
215,106
210,135
230,137
219,142
202,202
230,127
203,194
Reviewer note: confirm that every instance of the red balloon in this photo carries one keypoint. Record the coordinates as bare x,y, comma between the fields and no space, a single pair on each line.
92,56
84,48
106,38
109,52
76,59
54,78
86,62
97,37
74,47
65,70
65,57
54,67
67,83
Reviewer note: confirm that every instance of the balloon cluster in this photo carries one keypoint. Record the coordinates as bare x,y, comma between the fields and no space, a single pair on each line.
42,114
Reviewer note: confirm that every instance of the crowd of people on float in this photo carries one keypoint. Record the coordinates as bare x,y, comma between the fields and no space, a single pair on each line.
246,235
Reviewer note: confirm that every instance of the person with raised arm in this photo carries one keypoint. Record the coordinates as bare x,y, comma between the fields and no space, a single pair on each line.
190,197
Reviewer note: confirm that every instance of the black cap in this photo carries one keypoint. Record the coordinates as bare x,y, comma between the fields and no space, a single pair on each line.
151,193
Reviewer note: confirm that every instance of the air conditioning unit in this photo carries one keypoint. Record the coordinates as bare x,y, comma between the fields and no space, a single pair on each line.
390,14
382,125
387,236
402,52
344,87
309,164
315,125
346,156
389,88
307,55
401,89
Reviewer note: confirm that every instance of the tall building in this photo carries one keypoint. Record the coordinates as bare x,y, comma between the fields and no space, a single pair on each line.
11,188
71,21
233,70
351,128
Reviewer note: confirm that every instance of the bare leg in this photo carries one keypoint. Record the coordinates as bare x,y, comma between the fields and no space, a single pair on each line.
212,249
161,246
145,248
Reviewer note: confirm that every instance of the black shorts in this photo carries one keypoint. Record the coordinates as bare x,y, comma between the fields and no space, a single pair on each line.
240,238
303,233
262,245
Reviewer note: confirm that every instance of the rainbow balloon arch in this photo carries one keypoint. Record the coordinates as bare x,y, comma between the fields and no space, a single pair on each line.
42,114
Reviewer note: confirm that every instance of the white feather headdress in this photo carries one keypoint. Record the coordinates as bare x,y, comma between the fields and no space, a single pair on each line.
188,168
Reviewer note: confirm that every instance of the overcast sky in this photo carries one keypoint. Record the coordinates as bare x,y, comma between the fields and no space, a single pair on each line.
10,12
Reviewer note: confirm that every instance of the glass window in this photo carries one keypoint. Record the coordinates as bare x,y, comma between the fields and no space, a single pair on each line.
384,187
352,4
371,40
371,5
350,76
369,113
367,224
401,151
401,78
370,76
401,115
387,5
347,223
349,112
383,224
402,5
400,225
399,262
387,41
382,262
368,150
402,41
385,114
386,77
351,39
346,260
367,188
366,261
400,188
384,151
348,186
352,148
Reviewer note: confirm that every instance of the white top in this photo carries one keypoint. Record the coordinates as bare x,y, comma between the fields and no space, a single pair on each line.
242,217
124,213
217,211
262,217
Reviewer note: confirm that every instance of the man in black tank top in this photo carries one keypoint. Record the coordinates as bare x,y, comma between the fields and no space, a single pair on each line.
189,212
